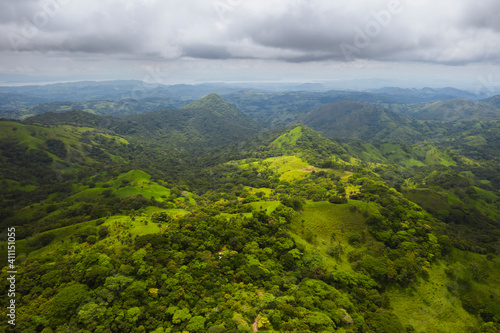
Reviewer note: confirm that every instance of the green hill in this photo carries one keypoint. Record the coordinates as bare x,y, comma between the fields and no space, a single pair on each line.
206,124
190,220
72,117
119,108
359,121
495,101
457,110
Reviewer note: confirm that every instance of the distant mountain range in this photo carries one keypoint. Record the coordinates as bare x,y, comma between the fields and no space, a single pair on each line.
202,125
361,121
456,110
270,107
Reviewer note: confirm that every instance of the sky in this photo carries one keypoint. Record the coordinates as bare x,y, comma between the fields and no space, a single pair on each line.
414,42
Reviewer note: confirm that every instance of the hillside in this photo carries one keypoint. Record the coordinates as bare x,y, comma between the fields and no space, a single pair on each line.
206,124
267,104
118,108
73,117
457,110
360,121
405,95
133,224
15,98
494,101
10,102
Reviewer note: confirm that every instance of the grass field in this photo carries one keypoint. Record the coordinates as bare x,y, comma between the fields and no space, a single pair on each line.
290,138
135,176
123,226
324,218
268,206
253,190
432,307
320,220
147,191
427,199
289,167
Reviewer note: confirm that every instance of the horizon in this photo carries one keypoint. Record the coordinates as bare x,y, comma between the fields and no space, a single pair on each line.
361,85
405,43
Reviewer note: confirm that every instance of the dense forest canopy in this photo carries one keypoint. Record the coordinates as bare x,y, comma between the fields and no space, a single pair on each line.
255,211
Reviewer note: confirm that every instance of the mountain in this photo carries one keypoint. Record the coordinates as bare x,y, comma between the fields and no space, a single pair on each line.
494,101
279,109
74,117
204,125
457,109
272,105
360,121
9,102
119,108
196,220
406,95
114,91
80,91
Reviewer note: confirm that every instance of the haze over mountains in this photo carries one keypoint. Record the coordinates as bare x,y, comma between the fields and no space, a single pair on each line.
123,98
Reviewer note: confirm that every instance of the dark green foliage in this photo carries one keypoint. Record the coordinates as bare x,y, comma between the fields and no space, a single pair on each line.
67,301
359,121
56,147
103,232
337,200
40,240
294,202
83,233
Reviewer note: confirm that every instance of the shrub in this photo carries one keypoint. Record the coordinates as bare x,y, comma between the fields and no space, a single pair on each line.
355,239
337,200
41,240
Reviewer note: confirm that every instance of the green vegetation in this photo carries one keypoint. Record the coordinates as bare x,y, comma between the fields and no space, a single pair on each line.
189,221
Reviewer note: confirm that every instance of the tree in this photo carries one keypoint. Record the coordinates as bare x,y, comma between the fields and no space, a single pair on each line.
103,232
41,240
196,324
181,315
67,300
133,314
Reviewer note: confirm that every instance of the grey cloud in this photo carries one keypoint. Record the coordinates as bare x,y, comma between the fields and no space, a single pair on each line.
305,31
13,11
206,51
484,14
318,36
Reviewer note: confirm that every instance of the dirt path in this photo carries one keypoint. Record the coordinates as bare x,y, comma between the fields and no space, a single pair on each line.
255,324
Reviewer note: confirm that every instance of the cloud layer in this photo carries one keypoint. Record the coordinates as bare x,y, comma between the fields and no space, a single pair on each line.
297,31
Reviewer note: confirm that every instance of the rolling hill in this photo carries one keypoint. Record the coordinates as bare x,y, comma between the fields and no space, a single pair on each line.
119,108
360,121
204,125
193,220
457,109
495,101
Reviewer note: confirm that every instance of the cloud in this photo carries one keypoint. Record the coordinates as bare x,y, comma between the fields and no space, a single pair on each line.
206,51
444,32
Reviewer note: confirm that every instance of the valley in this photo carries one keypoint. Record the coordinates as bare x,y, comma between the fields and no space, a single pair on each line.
246,210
